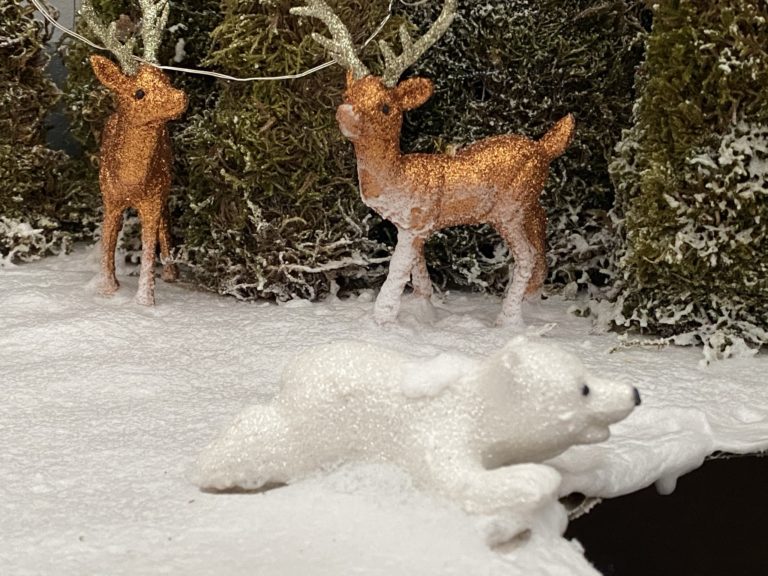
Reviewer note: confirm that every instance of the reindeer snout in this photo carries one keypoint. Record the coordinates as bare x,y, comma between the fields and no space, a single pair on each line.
181,101
348,121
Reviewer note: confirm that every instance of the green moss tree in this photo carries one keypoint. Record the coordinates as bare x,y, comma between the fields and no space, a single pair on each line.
692,178
36,213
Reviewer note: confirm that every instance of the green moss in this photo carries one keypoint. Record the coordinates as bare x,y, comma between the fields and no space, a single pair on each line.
36,210
692,176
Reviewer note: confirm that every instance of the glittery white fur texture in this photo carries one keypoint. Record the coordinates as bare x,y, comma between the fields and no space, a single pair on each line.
470,430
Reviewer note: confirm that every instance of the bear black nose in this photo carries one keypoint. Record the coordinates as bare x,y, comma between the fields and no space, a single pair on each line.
638,401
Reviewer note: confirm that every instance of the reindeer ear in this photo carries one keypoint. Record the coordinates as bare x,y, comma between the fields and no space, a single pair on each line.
413,92
108,73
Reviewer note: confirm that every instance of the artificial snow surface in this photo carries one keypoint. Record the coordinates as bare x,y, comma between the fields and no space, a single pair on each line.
107,404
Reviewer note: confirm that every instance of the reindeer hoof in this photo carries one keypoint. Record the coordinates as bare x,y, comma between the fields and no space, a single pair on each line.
145,299
510,321
170,273
384,315
108,286
421,308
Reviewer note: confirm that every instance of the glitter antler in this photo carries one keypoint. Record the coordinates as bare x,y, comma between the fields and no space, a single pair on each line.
153,21
495,181
340,46
123,51
394,66
136,156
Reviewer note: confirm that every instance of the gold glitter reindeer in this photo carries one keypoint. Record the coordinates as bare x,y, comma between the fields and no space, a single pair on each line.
495,181
136,157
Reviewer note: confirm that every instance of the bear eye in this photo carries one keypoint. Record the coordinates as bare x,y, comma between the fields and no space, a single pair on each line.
585,390
139,94
385,108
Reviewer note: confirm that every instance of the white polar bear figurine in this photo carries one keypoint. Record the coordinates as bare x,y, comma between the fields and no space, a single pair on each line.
454,423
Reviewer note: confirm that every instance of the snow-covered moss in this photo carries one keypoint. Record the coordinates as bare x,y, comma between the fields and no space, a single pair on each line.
35,208
691,179
26,240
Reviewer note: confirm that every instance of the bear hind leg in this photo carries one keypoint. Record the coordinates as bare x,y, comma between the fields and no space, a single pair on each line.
254,454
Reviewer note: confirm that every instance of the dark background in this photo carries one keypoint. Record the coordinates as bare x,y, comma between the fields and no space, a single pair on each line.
715,523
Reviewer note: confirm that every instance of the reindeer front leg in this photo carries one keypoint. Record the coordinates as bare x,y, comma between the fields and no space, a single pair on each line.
422,285
150,215
535,227
404,259
110,228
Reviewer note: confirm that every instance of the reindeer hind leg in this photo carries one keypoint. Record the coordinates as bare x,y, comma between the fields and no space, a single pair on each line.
170,270
535,228
521,272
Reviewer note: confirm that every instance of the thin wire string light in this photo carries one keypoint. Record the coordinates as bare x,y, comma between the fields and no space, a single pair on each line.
45,14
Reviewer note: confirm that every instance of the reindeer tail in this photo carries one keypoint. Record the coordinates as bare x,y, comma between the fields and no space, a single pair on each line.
559,136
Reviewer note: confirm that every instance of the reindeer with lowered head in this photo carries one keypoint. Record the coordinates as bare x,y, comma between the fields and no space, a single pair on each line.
495,181
136,157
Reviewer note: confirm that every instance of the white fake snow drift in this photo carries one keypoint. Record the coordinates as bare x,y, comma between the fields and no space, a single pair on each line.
106,405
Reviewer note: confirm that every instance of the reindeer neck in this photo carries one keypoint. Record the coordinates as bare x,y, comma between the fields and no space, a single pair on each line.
137,148
378,165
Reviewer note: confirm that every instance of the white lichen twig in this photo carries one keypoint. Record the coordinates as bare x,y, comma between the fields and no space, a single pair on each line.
626,343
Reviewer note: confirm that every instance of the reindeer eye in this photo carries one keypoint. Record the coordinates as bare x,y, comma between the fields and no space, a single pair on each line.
139,94
385,108
585,390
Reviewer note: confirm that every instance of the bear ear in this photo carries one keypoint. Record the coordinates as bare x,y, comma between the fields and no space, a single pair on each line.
511,353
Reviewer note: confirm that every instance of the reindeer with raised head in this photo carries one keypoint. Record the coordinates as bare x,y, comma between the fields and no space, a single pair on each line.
136,157
495,181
